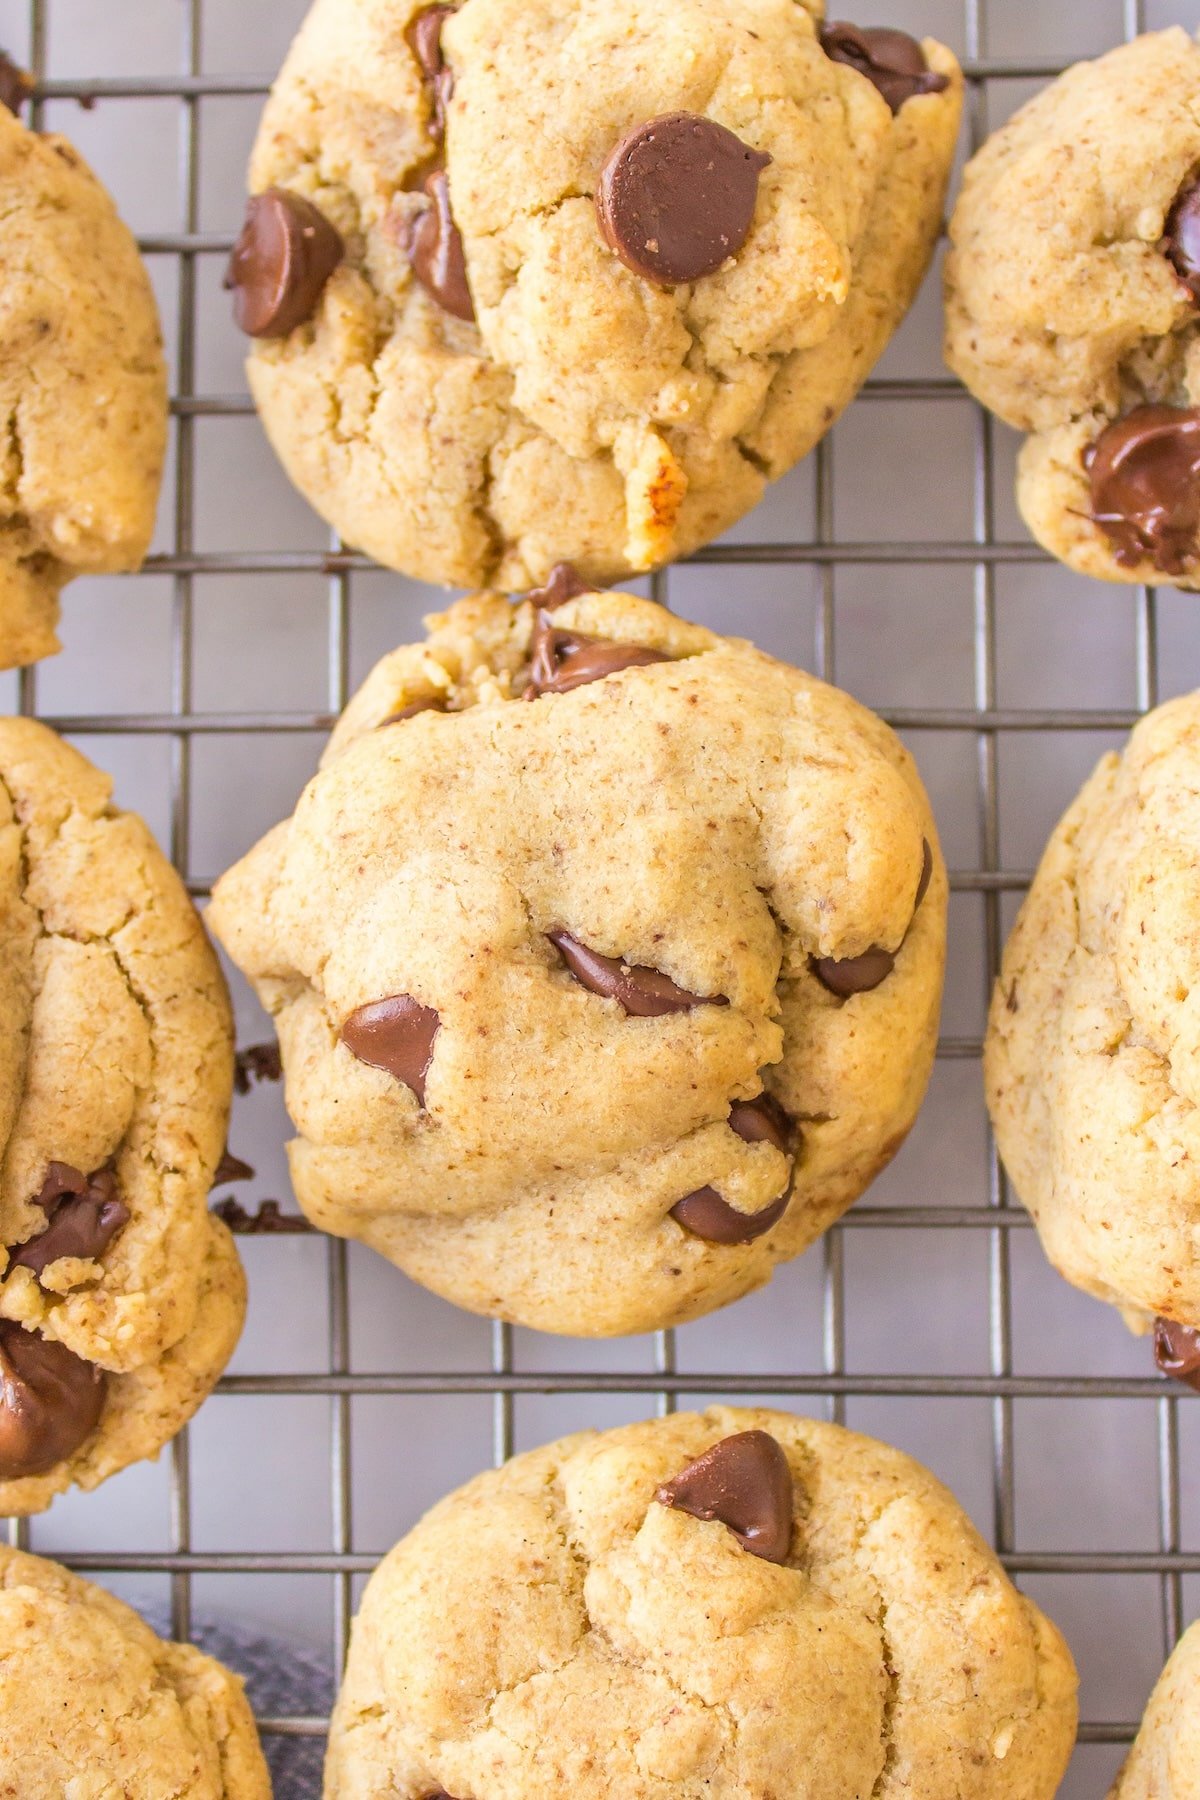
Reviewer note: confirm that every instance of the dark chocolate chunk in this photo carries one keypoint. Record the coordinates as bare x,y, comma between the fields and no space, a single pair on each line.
745,1482
83,1216
430,703
643,993
891,60
1177,1351
563,583
50,1402
286,252
677,196
848,975
424,37
433,244
762,1121
395,1035
231,1168
257,1062
708,1215
1144,472
269,1220
1181,242
564,660
15,85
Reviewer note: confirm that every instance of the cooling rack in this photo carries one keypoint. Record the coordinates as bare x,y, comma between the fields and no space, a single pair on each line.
893,562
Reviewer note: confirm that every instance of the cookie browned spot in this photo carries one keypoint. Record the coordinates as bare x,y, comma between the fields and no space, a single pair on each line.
847,975
424,38
643,993
677,196
284,255
15,85
50,1402
429,703
1177,1351
562,584
433,244
891,60
564,660
1181,240
708,1215
83,1217
395,1035
746,1483
1144,471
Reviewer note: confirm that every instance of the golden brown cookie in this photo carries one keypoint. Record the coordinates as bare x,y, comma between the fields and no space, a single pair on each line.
1164,1763
605,956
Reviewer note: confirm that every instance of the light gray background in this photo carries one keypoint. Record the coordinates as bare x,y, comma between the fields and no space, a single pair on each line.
913,1302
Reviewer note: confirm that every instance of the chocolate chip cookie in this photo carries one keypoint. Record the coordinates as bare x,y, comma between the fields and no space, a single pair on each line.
1164,1763
1073,307
532,279
1092,1060
83,388
731,1602
605,956
93,1703
120,1298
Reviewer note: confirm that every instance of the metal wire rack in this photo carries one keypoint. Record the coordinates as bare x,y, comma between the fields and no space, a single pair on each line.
187,563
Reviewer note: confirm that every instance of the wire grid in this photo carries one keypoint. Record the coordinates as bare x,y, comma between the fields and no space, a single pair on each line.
985,720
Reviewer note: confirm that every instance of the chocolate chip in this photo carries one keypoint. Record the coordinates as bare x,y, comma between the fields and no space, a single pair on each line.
677,196
762,1121
257,1062
395,1035
563,660
50,1402
83,1215
15,85
848,975
1177,1351
1181,241
1144,472
643,993
431,703
891,60
708,1215
424,37
231,1168
746,1483
433,244
564,583
269,1220
285,254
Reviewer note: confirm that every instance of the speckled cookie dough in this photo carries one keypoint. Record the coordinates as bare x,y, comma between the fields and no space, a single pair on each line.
733,1603
577,277
93,1703
1092,1060
1073,307
83,388
605,956
1164,1763
120,1297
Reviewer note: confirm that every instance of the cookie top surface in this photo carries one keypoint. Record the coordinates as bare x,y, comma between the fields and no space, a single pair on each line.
1092,1058
525,956
585,1620
603,269
1073,300
86,1686
115,1079
83,387
1165,1759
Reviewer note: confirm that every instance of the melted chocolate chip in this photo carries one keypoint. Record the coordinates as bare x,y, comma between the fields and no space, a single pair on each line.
708,1215
433,244
1181,241
849,975
15,85
257,1062
1177,1351
285,254
83,1217
564,660
1144,472
677,196
762,1121
891,60
395,1035
746,1483
643,993
50,1402
564,583
231,1168
424,37
430,703
267,1221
